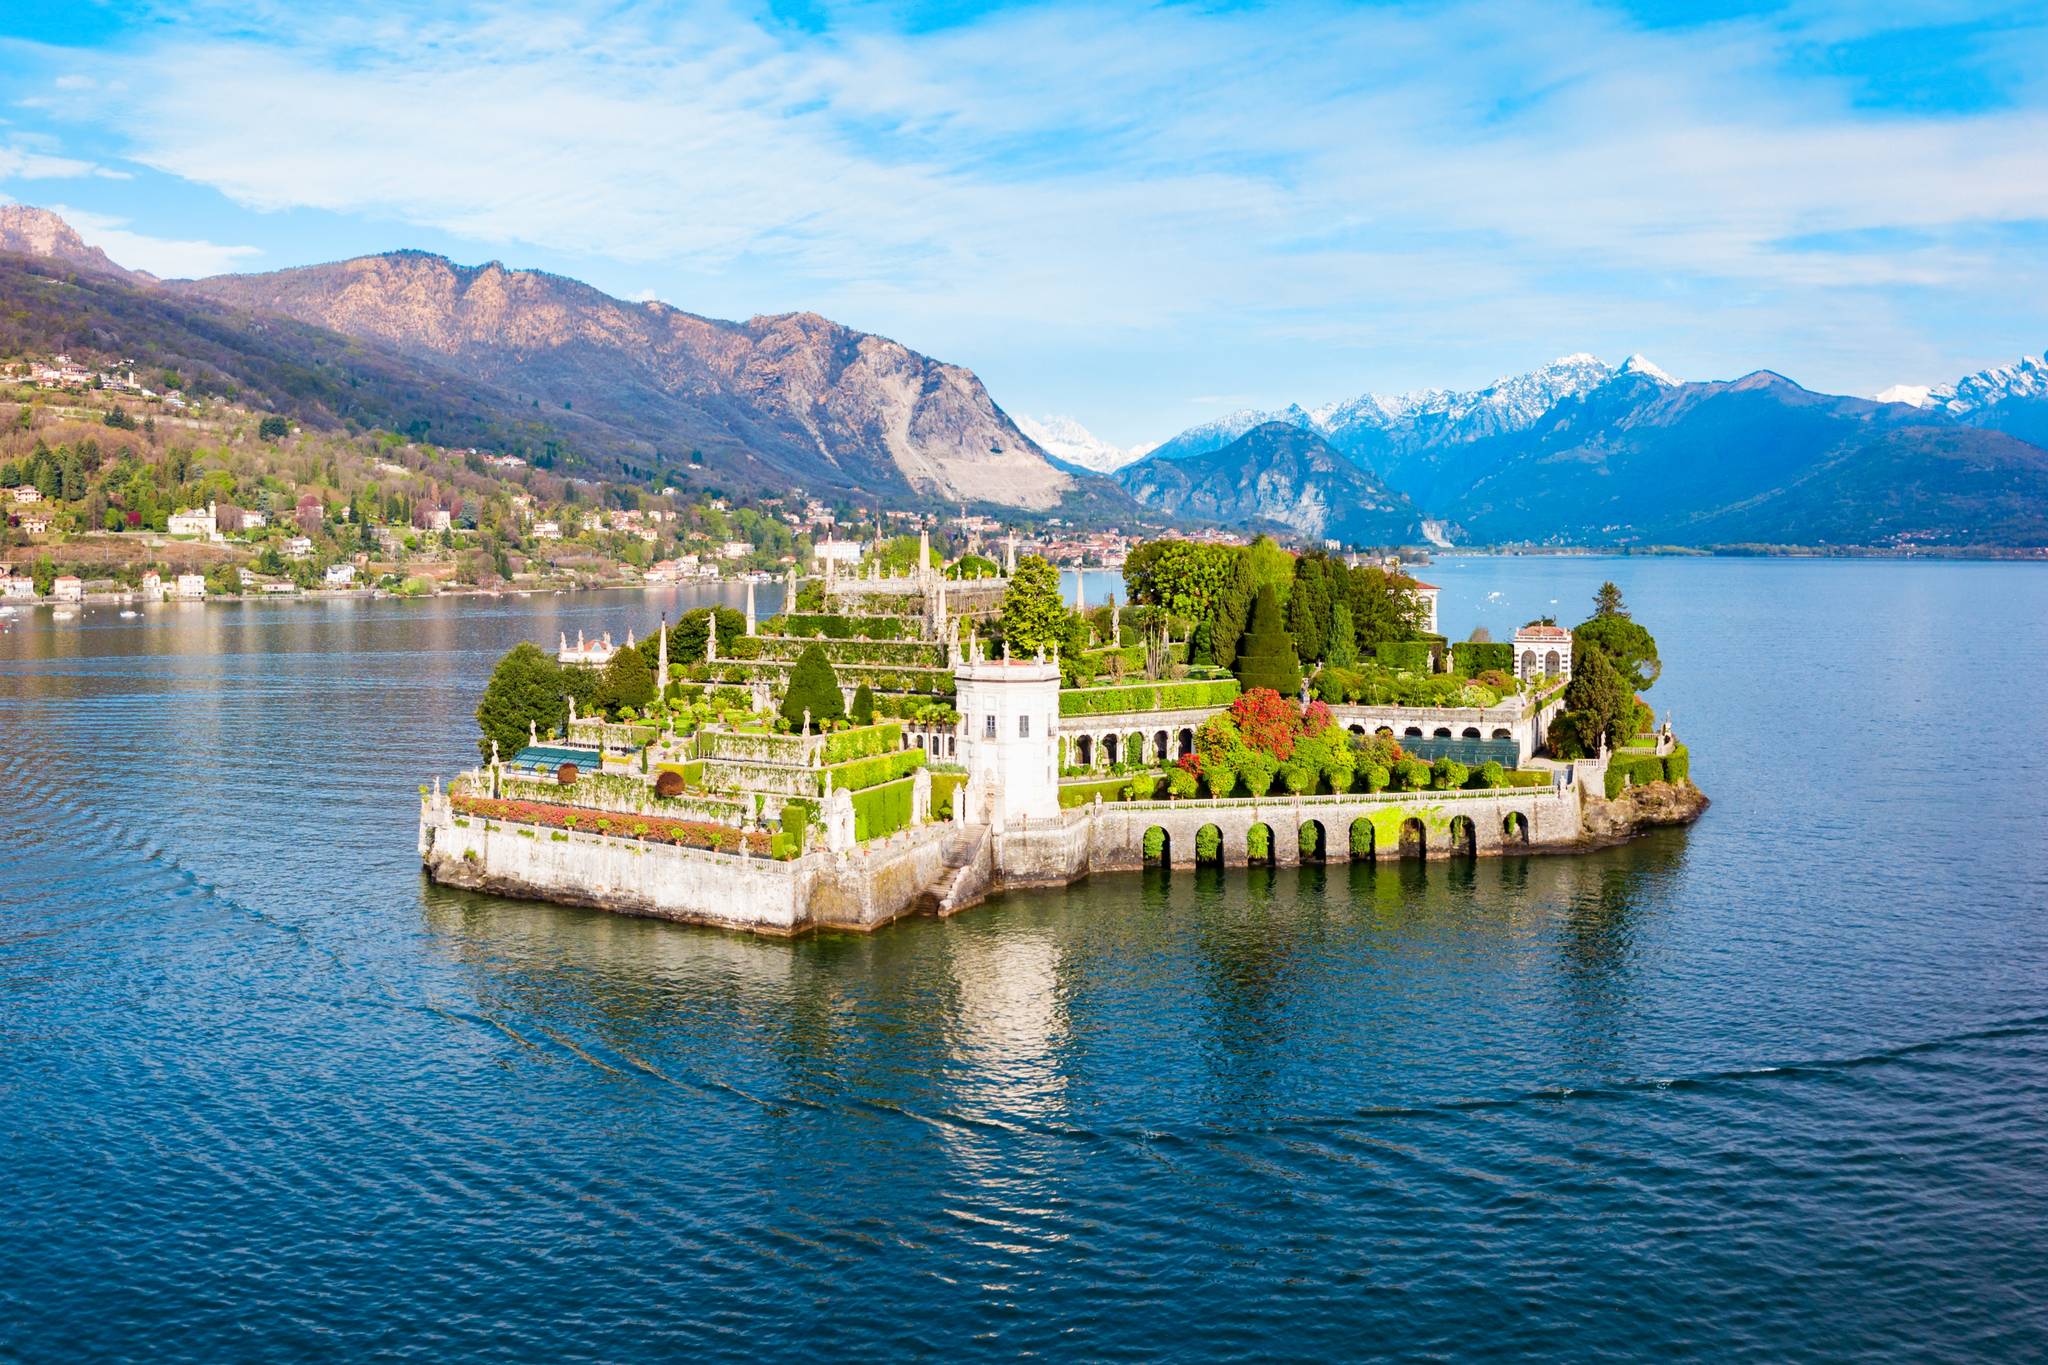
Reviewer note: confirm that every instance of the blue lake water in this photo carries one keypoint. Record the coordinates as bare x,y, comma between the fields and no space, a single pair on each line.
1775,1087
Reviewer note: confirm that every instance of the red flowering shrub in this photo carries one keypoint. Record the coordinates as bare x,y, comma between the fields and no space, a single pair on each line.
1266,721
1317,717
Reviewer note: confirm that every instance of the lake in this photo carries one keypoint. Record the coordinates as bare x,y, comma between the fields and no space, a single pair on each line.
1773,1087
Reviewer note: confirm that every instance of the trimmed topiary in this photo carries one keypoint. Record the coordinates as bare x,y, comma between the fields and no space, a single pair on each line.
1266,657
813,689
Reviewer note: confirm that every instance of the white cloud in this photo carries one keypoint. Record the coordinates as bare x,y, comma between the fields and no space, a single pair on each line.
23,163
162,256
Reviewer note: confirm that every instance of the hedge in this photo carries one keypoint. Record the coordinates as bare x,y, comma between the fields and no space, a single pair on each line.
845,745
1472,657
1678,765
944,785
1403,656
880,811
1623,769
1169,696
835,627
872,772
1074,794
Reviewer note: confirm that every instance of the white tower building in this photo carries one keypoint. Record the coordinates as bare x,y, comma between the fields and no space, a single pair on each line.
1009,740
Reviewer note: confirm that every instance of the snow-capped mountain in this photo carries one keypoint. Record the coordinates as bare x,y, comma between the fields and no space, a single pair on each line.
1912,395
2028,379
1511,403
1063,438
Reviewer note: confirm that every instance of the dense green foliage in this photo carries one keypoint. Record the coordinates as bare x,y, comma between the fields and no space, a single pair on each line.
836,627
846,745
862,773
1266,657
813,690
1599,694
1627,646
863,712
1166,696
1341,651
1473,657
627,681
880,811
1404,656
526,688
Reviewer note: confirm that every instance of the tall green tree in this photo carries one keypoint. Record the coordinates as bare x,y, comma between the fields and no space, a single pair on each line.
1034,616
1233,610
1383,606
1603,699
1607,601
526,688
1272,567
813,689
1308,606
1266,657
627,681
1341,650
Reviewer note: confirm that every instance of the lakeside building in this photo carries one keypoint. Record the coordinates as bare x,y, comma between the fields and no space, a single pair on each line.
193,521
68,588
589,654
190,587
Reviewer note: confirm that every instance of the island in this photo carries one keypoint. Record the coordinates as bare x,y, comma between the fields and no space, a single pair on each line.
913,736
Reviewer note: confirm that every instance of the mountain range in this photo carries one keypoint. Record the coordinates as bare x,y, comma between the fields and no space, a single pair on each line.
1576,452
561,370
1582,453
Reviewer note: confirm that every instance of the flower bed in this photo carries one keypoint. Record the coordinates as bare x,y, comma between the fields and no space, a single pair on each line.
652,829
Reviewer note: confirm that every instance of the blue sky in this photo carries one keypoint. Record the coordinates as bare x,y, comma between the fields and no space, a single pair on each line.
1139,216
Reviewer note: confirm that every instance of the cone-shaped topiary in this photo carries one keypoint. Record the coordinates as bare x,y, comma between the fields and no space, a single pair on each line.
1266,657
863,705
813,687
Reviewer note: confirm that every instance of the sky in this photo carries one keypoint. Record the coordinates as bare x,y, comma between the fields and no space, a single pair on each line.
1140,216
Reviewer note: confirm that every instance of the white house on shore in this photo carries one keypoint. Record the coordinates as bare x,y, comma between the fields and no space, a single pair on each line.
191,587
193,521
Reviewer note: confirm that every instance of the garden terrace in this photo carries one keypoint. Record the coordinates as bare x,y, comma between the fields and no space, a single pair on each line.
1134,698
881,653
548,758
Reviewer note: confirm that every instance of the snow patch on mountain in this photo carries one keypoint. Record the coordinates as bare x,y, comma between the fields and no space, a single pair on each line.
1068,440
1912,395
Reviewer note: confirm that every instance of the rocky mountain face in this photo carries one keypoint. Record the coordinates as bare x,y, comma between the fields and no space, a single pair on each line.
794,399
29,231
1282,474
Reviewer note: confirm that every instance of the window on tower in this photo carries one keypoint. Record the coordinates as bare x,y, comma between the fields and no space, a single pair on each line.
1023,727
988,727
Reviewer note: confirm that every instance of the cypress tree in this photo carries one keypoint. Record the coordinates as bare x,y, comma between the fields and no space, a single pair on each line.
1233,609
864,704
1341,650
813,687
1266,657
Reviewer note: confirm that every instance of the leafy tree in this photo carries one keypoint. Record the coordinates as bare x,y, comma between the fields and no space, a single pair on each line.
1272,567
1233,610
627,681
973,566
1341,650
526,688
44,576
1383,606
1180,575
813,688
1267,658
273,428
863,705
1597,689
1607,601
1630,648
1034,617
687,636
1309,605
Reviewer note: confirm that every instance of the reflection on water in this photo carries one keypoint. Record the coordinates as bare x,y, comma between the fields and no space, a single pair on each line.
1764,1088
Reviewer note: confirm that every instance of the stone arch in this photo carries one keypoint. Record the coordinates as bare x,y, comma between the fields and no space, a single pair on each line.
1412,732
1442,732
1470,732
1258,845
1387,730
1528,663
1158,847
1084,746
1514,827
1464,836
1358,730
1314,842
1414,838
1187,742
1362,840
1134,747
1500,732
1159,746
1109,748
1552,664
1209,845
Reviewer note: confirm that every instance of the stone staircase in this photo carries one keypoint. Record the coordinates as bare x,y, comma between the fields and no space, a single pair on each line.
964,877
